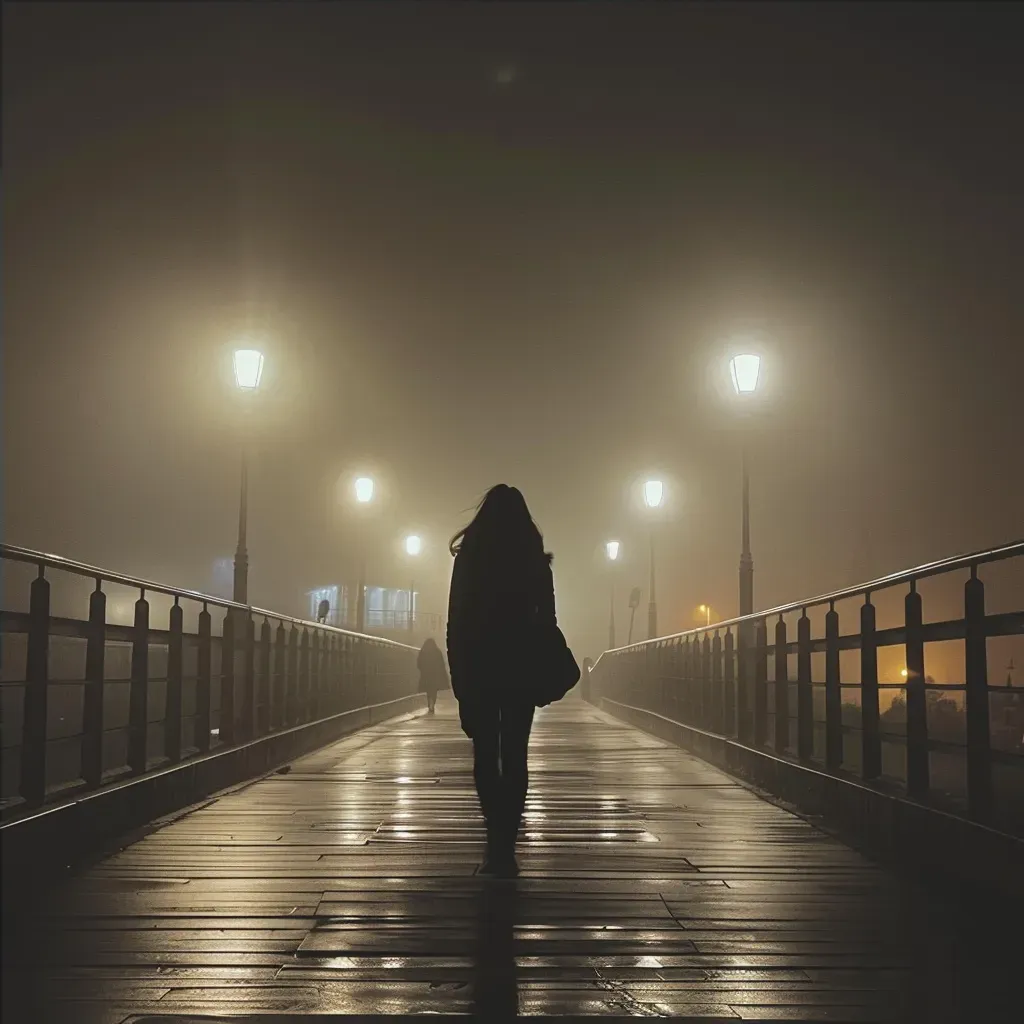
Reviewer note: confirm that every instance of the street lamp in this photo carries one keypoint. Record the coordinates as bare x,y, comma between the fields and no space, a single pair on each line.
364,489
413,546
654,492
248,367
612,551
705,610
745,370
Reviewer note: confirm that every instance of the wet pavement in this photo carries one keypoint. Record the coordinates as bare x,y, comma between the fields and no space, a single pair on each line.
652,885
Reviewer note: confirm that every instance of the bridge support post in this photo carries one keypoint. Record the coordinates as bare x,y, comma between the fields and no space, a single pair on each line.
92,699
871,741
729,686
917,700
804,690
717,690
204,665
781,688
172,696
226,723
979,750
37,680
138,693
760,683
833,693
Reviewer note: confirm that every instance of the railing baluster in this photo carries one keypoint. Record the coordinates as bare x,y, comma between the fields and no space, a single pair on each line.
227,678
761,683
781,688
717,692
729,685
292,680
303,687
279,689
979,749
744,682
248,716
204,673
917,699
92,699
871,740
833,694
37,681
804,690
314,674
265,669
172,696
138,695
705,683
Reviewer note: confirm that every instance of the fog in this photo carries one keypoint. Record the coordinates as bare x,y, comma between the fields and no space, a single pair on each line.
512,243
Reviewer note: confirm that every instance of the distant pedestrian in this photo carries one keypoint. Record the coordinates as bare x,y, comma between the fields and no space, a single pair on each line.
433,674
502,597
323,609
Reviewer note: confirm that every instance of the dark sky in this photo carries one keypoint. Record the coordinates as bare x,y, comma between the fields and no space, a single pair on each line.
491,242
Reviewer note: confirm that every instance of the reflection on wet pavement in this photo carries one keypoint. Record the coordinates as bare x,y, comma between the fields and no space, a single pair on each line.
652,885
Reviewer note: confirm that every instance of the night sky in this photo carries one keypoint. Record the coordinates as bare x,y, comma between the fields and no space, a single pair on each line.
510,242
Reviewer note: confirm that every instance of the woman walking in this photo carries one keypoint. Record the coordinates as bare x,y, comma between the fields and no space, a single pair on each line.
501,592
433,674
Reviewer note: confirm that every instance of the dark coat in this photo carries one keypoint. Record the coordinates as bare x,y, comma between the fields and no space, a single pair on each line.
433,674
493,609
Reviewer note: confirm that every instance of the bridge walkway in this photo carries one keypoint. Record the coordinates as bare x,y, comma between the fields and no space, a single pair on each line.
652,885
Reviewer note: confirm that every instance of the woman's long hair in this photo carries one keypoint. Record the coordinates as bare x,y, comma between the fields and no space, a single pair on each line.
501,530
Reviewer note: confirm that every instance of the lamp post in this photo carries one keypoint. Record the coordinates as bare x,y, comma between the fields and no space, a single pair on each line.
413,546
654,492
364,495
612,551
248,366
744,370
705,610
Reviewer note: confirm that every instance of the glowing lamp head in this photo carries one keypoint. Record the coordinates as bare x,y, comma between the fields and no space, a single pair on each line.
248,368
612,548
364,490
703,608
413,545
745,370
654,491
903,672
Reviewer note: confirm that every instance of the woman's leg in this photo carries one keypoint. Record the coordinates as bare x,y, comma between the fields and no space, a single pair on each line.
516,722
486,774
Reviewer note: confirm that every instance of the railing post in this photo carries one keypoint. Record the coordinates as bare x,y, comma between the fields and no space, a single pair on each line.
303,686
204,663
314,675
781,688
917,699
248,716
263,694
279,688
291,714
729,686
979,750
172,696
833,693
717,694
138,694
871,740
804,690
761,683
705,683
37,680
744,676
227,679
92,698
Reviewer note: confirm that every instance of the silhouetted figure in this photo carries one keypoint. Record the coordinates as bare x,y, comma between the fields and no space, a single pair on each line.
323,609
495,990
433,674
501,592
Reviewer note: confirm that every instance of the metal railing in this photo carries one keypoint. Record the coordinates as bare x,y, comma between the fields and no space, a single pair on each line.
86,702
959,745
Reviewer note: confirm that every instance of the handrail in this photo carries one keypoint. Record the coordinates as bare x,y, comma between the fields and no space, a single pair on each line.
1004,551
15,553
